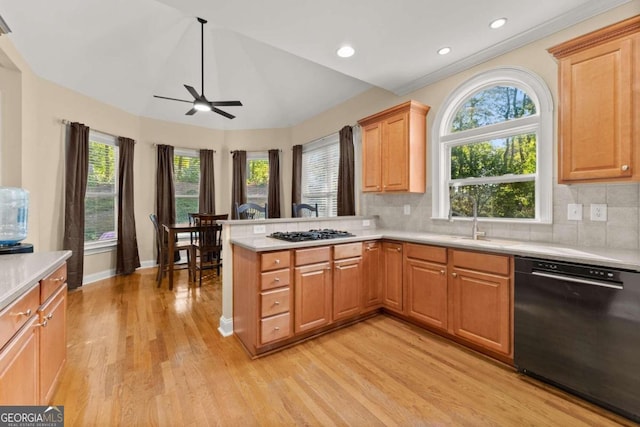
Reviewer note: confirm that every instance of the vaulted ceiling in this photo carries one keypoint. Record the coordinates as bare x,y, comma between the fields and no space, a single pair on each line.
278,57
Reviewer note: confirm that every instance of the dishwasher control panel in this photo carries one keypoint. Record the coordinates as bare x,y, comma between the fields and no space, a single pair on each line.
579,270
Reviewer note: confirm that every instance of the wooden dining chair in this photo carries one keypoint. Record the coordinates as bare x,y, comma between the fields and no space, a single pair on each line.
252,211
162,252
304,210
207,243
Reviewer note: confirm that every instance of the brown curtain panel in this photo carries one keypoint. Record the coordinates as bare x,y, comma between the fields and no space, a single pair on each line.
76,173
127,256
273,197
165,189
239,181
346,196
296,185
207,183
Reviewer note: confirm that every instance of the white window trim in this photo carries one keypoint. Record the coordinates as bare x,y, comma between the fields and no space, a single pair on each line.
101,246
542,123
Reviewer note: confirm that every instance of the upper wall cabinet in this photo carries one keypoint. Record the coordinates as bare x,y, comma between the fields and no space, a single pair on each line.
394,146
599,108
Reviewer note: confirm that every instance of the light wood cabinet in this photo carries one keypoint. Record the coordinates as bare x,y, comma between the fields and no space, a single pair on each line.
599,106
425,275
481,299
392,276
347,281
394,149
53,341
372,276
313,288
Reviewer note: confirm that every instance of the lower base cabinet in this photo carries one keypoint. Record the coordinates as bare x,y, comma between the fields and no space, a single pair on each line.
19,367
312,284
392,276
53,339
372,289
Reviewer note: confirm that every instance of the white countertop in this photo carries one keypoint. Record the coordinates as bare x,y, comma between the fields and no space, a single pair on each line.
617,258
20,272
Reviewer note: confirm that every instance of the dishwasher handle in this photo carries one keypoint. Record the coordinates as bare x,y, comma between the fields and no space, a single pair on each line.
577,280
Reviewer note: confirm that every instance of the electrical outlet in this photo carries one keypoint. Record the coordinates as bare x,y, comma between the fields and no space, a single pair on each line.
259,229
407,209
574,211
598,212
366,223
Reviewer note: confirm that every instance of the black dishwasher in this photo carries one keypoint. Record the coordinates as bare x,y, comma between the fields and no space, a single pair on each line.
578,327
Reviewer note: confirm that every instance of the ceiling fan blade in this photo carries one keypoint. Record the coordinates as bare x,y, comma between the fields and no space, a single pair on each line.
191,112
192,91
226,103
172,99
222,113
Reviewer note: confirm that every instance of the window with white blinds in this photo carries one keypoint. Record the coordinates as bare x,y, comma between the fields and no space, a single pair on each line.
186,178
101,200
320,161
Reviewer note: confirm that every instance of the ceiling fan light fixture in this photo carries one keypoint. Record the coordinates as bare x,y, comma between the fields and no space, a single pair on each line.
201,105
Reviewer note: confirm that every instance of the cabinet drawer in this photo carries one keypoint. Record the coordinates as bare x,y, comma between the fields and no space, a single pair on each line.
313,255
275,302
15,315
275,279
349,250
52,282
275,328
274,260
490,263
426,253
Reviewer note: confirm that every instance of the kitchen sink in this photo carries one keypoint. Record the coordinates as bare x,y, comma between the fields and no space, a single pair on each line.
480,241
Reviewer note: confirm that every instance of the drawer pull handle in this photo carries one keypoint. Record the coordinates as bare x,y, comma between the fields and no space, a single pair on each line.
49,316
24,313
277,261
442,272
58,279
276,303
42,325
277,279
277,328
454,274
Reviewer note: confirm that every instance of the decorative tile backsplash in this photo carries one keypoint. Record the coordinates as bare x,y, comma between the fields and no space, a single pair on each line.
620,230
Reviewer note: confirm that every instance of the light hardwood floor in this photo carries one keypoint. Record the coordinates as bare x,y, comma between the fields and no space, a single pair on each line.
138,355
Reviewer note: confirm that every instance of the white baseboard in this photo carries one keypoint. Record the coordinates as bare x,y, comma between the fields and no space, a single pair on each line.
106,274
226,327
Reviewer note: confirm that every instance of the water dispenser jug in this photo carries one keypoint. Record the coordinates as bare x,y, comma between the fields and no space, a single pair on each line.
14,208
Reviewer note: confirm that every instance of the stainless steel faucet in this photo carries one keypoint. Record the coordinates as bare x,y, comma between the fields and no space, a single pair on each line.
475,233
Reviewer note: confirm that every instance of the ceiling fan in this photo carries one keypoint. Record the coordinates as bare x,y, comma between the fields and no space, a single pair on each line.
200,102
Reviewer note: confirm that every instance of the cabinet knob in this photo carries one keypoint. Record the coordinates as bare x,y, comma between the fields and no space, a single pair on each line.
277,279
24,313
277,261
277,328
442,272
625,167
58,279
43,324
454,274
49,316
276,303
398,249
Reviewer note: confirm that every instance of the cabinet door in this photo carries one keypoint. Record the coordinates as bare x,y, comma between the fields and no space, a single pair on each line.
371,157
481,310
19,367
392,276
372,275
596,113
347,285
53,343
395,153
312,296
427,292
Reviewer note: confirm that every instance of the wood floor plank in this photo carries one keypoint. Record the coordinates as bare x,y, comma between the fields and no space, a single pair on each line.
139,355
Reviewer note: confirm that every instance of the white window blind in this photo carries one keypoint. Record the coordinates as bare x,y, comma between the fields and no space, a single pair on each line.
101,198
320,160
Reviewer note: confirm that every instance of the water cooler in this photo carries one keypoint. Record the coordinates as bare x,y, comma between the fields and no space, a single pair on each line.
14,210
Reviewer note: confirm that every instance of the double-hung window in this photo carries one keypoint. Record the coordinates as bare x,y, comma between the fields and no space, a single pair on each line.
493,142
101,199
186,178
320,161
257,177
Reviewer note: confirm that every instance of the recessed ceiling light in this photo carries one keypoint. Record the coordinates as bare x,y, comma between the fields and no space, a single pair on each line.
498,23
444,50
345,51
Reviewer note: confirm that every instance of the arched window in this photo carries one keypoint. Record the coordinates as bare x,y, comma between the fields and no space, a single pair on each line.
493,142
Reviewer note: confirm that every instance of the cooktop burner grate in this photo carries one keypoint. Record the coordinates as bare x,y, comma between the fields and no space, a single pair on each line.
301,236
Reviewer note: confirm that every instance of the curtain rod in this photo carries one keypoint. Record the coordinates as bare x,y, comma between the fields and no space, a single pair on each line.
155,144
330,134
68,122
254,151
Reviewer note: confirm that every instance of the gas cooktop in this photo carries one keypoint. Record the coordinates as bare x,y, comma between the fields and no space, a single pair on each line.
301,236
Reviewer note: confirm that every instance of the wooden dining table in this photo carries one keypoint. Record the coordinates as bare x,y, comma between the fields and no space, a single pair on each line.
173,230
